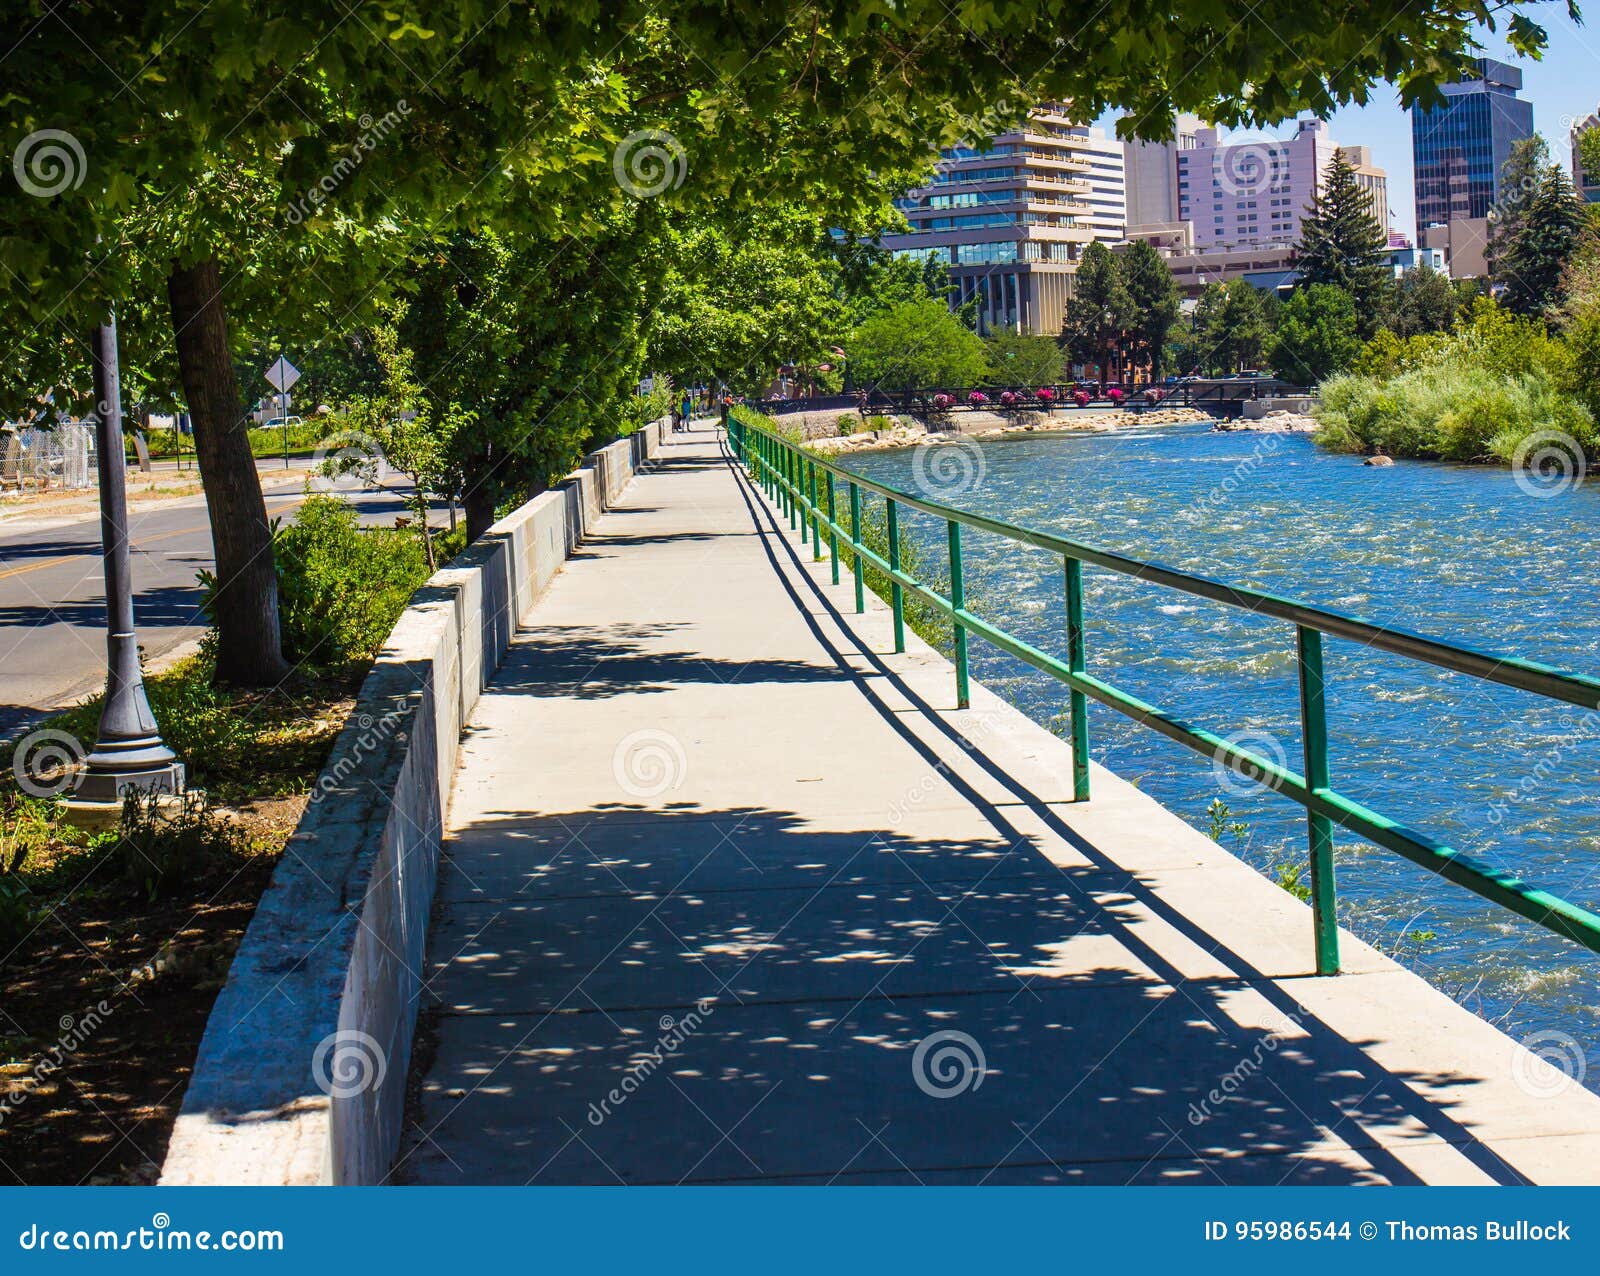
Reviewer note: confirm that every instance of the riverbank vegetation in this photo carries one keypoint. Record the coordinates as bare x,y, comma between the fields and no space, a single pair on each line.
1493,388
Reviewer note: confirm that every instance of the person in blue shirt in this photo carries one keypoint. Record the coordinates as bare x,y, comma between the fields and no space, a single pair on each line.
685,409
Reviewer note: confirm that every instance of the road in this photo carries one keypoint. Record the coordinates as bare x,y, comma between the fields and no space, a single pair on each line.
52,595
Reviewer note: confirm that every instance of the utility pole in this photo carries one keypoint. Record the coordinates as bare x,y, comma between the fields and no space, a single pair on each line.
128,751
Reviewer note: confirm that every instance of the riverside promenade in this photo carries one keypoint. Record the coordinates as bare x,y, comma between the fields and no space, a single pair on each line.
730,893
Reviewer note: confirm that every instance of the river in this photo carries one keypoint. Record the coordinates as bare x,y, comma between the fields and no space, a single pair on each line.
1468,554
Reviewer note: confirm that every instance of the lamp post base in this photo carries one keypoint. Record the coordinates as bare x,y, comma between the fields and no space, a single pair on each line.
103,785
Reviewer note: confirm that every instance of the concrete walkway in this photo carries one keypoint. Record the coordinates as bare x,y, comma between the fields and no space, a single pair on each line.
729,894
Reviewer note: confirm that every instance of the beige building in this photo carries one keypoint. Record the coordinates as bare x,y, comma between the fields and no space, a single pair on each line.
1372,179
1465,242
1010,220
1586,184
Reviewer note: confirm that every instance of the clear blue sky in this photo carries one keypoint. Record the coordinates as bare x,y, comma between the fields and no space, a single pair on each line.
1563,87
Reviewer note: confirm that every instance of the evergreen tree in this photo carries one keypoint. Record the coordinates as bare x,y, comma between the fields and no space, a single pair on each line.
1100,312
1230,328
1342,243
1520,178
1536,255
1154,293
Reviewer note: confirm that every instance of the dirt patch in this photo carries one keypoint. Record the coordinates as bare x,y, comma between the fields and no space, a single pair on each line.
104,1007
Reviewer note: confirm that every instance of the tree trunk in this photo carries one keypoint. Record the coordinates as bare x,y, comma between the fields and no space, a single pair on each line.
478,506
245,606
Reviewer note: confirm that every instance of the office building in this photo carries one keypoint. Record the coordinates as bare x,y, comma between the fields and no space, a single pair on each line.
1586,184
1010,219
1243,194
1152,174
1464,243
1460,146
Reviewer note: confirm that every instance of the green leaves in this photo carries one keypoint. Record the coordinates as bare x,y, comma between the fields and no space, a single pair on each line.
916,345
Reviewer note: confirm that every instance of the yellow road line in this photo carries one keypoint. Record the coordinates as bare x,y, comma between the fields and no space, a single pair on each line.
90,552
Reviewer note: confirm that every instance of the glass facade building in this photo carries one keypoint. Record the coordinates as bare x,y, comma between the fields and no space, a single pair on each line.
1460,146
1011,219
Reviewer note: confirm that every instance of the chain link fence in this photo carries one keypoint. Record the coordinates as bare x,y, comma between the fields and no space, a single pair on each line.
60,458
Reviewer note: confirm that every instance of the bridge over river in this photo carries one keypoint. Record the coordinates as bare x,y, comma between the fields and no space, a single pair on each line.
730,889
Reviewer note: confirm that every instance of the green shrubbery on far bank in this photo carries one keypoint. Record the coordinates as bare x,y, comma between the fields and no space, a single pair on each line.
1477,394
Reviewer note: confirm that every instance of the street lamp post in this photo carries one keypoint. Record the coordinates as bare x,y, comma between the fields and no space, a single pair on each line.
128,751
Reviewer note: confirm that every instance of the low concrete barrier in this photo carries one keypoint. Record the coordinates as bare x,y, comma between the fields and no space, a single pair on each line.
301,1075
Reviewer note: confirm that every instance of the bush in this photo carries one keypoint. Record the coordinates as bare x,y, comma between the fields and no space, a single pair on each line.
341,587
1448,410
17,911
163,844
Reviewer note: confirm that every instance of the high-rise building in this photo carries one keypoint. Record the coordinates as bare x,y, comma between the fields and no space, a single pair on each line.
1585,183
1010,219
1460,146
1152,174
1370,178
1243,194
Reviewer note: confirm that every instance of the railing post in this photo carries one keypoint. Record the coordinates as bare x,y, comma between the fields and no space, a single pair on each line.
1077,662
1314,730
897,595
816,517
958,603
791,486
804,462
833,528
855,545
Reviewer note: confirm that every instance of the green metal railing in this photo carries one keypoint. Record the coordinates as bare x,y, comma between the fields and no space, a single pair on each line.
791,477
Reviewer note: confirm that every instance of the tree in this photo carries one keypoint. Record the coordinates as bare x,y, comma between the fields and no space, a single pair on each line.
1520,178
916,346
543,341
738,304
401,428
520,122
1342,243
1155,303
1022,359
1098,316
1535,256
1230,328
1316,335
1424,300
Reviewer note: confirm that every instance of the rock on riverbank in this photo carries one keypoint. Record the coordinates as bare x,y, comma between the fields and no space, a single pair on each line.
991,426
1277,422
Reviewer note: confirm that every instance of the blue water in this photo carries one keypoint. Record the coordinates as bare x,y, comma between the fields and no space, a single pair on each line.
1458,552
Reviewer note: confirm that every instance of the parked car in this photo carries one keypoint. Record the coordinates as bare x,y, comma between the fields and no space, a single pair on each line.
278,422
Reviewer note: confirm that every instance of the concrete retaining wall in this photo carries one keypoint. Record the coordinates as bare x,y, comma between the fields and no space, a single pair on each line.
301,1074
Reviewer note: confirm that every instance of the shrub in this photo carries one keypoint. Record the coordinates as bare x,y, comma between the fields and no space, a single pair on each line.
166,843
1448,410
341,587
17,911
